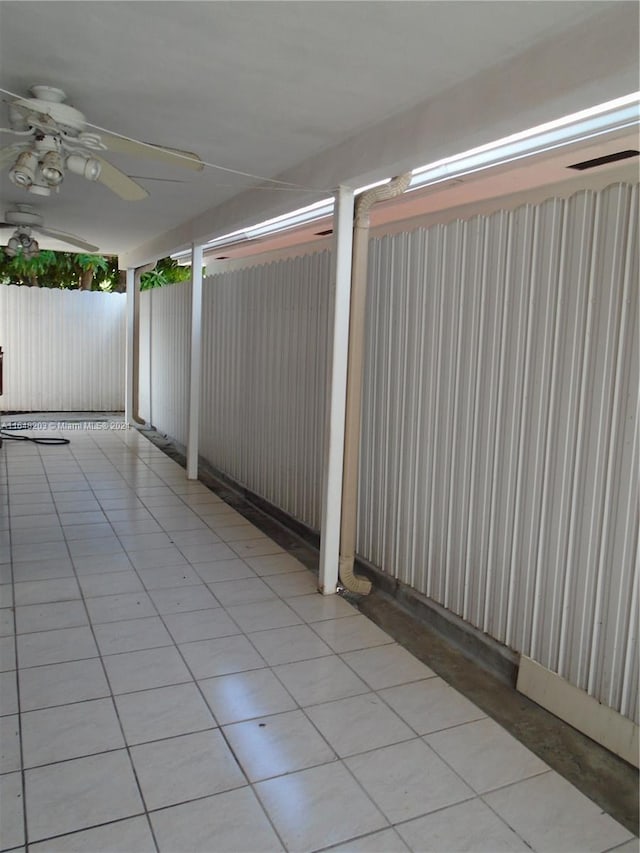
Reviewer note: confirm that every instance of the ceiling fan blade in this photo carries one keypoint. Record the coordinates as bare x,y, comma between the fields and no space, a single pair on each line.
8,155
71,239
175,156
119,183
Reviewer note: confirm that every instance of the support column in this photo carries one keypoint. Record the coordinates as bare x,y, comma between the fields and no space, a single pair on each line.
195,369
130,346
339,349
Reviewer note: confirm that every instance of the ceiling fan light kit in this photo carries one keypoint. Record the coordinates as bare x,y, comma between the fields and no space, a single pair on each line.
24,219
56,140
22,243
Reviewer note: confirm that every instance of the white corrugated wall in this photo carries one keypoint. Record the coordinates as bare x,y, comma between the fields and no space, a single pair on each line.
499,463
63,349
165,327
264,379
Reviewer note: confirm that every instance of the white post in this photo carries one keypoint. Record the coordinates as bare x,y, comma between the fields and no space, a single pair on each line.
129,366
339,349
195,364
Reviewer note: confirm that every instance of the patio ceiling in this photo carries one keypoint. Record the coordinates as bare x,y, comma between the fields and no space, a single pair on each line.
317,92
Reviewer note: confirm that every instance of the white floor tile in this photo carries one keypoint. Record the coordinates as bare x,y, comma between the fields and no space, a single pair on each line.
102,563
274,564
118,608
200,625
320,817
52,533
356,632
80,793
234,818
193,537
224,570
286,645
70,731
485,755
153,558
124,836
74,532
9,744
221,656
163,712
39,551
145,669
7,653
320,680
131,635
183,599
244,695
469,826
371,724
318,607
430,705
562,819
408,780
271,746
169,577
110,583
290,584
28,522
387,666
94,547
62,683
6,623
140,541
39,592
46,617
43,570
93,517
237,532
11,811
207,553
184,768
46,647
262,615
8,693
260,547
385,841
246,591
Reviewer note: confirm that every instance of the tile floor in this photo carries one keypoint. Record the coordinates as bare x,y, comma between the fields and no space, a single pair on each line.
171,680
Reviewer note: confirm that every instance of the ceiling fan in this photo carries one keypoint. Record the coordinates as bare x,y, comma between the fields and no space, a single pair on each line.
53,139
23,219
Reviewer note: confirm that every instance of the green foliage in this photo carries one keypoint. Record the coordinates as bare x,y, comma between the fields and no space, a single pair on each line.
72,271
166,271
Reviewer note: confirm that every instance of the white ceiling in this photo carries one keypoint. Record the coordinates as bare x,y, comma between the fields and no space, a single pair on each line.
265,86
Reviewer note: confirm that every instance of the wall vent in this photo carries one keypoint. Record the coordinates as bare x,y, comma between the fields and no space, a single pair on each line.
600,161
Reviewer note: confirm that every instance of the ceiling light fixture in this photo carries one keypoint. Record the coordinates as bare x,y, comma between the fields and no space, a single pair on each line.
23,173
86,167
52,168
22,243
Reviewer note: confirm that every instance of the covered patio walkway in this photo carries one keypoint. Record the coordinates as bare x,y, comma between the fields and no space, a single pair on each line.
172,681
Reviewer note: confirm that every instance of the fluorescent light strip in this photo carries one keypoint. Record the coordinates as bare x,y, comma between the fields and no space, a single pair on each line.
515,148
609,117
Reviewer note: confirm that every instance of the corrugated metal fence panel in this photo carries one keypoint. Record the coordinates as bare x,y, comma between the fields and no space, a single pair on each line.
168,310
264,379
499,463
64,350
